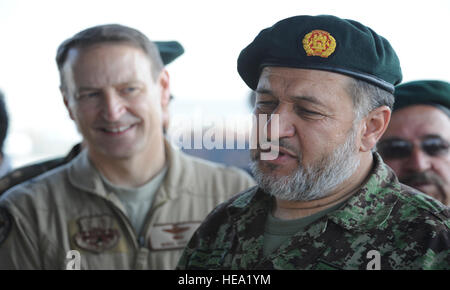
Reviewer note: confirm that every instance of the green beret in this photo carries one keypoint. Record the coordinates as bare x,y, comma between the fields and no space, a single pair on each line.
322,42
423,92
169,50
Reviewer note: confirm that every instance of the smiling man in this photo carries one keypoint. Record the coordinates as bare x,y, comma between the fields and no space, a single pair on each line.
417,141
327,201
169,51
128,200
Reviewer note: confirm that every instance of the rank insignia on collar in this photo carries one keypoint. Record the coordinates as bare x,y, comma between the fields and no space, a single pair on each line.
5,224
319,43
97,233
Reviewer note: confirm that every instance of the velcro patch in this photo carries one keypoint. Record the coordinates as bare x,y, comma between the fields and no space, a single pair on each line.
97,233
171,236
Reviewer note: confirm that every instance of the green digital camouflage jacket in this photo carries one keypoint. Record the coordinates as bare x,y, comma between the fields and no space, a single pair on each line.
384,221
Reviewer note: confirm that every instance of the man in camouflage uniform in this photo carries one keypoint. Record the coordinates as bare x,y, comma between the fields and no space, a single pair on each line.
324,201
169,51
416,144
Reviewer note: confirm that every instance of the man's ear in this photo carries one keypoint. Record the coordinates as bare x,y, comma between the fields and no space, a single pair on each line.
66,101
374,126
164,81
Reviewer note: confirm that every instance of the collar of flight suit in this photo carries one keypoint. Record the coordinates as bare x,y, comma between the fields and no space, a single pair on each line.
369,207
83,175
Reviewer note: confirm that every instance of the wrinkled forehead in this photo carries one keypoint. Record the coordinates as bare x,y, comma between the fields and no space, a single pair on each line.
415,122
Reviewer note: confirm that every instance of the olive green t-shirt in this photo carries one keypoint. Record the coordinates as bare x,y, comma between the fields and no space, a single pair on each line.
277,231
137,201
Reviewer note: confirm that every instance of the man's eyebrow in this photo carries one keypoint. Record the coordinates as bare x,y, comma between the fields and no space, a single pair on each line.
310,99
80,89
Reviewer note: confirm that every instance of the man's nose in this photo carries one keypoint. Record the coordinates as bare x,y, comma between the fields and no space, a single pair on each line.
113,106
281,121
419,161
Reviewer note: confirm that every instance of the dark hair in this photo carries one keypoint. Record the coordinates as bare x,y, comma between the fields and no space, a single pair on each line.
114,33
4,121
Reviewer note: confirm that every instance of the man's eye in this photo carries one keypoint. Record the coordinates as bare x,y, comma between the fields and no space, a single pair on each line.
89,95
129,90
308,113
435,146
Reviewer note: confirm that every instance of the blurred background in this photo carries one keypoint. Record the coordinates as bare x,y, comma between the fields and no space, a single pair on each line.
204,80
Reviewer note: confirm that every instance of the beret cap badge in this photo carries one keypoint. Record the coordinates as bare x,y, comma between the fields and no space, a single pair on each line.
319,43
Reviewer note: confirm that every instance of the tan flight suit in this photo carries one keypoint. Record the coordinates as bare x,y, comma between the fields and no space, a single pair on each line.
68,208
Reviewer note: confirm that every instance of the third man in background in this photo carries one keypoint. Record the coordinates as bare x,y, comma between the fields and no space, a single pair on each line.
416,143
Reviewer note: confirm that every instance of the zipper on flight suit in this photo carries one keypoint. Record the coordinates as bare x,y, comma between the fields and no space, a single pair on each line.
139,241
127,222
149,221
142,257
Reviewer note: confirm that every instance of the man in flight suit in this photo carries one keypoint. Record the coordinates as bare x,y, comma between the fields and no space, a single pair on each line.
128,200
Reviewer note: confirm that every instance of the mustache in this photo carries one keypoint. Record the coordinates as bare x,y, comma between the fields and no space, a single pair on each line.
255,154
422,177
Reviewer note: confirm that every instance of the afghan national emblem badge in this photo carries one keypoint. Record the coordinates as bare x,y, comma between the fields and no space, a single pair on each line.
319,43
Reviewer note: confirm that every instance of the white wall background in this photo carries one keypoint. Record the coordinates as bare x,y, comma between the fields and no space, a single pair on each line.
204,79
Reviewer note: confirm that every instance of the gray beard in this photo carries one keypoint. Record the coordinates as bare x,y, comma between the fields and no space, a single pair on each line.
314,182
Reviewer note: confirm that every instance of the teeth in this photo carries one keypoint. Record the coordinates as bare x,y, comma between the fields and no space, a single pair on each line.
117,130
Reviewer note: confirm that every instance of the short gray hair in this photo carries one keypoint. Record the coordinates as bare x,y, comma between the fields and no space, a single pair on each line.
367,97
113,33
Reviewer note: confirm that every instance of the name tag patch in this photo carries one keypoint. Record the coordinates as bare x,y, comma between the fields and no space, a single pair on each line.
171,236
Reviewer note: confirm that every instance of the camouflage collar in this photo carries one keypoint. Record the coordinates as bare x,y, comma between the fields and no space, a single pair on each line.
369,207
